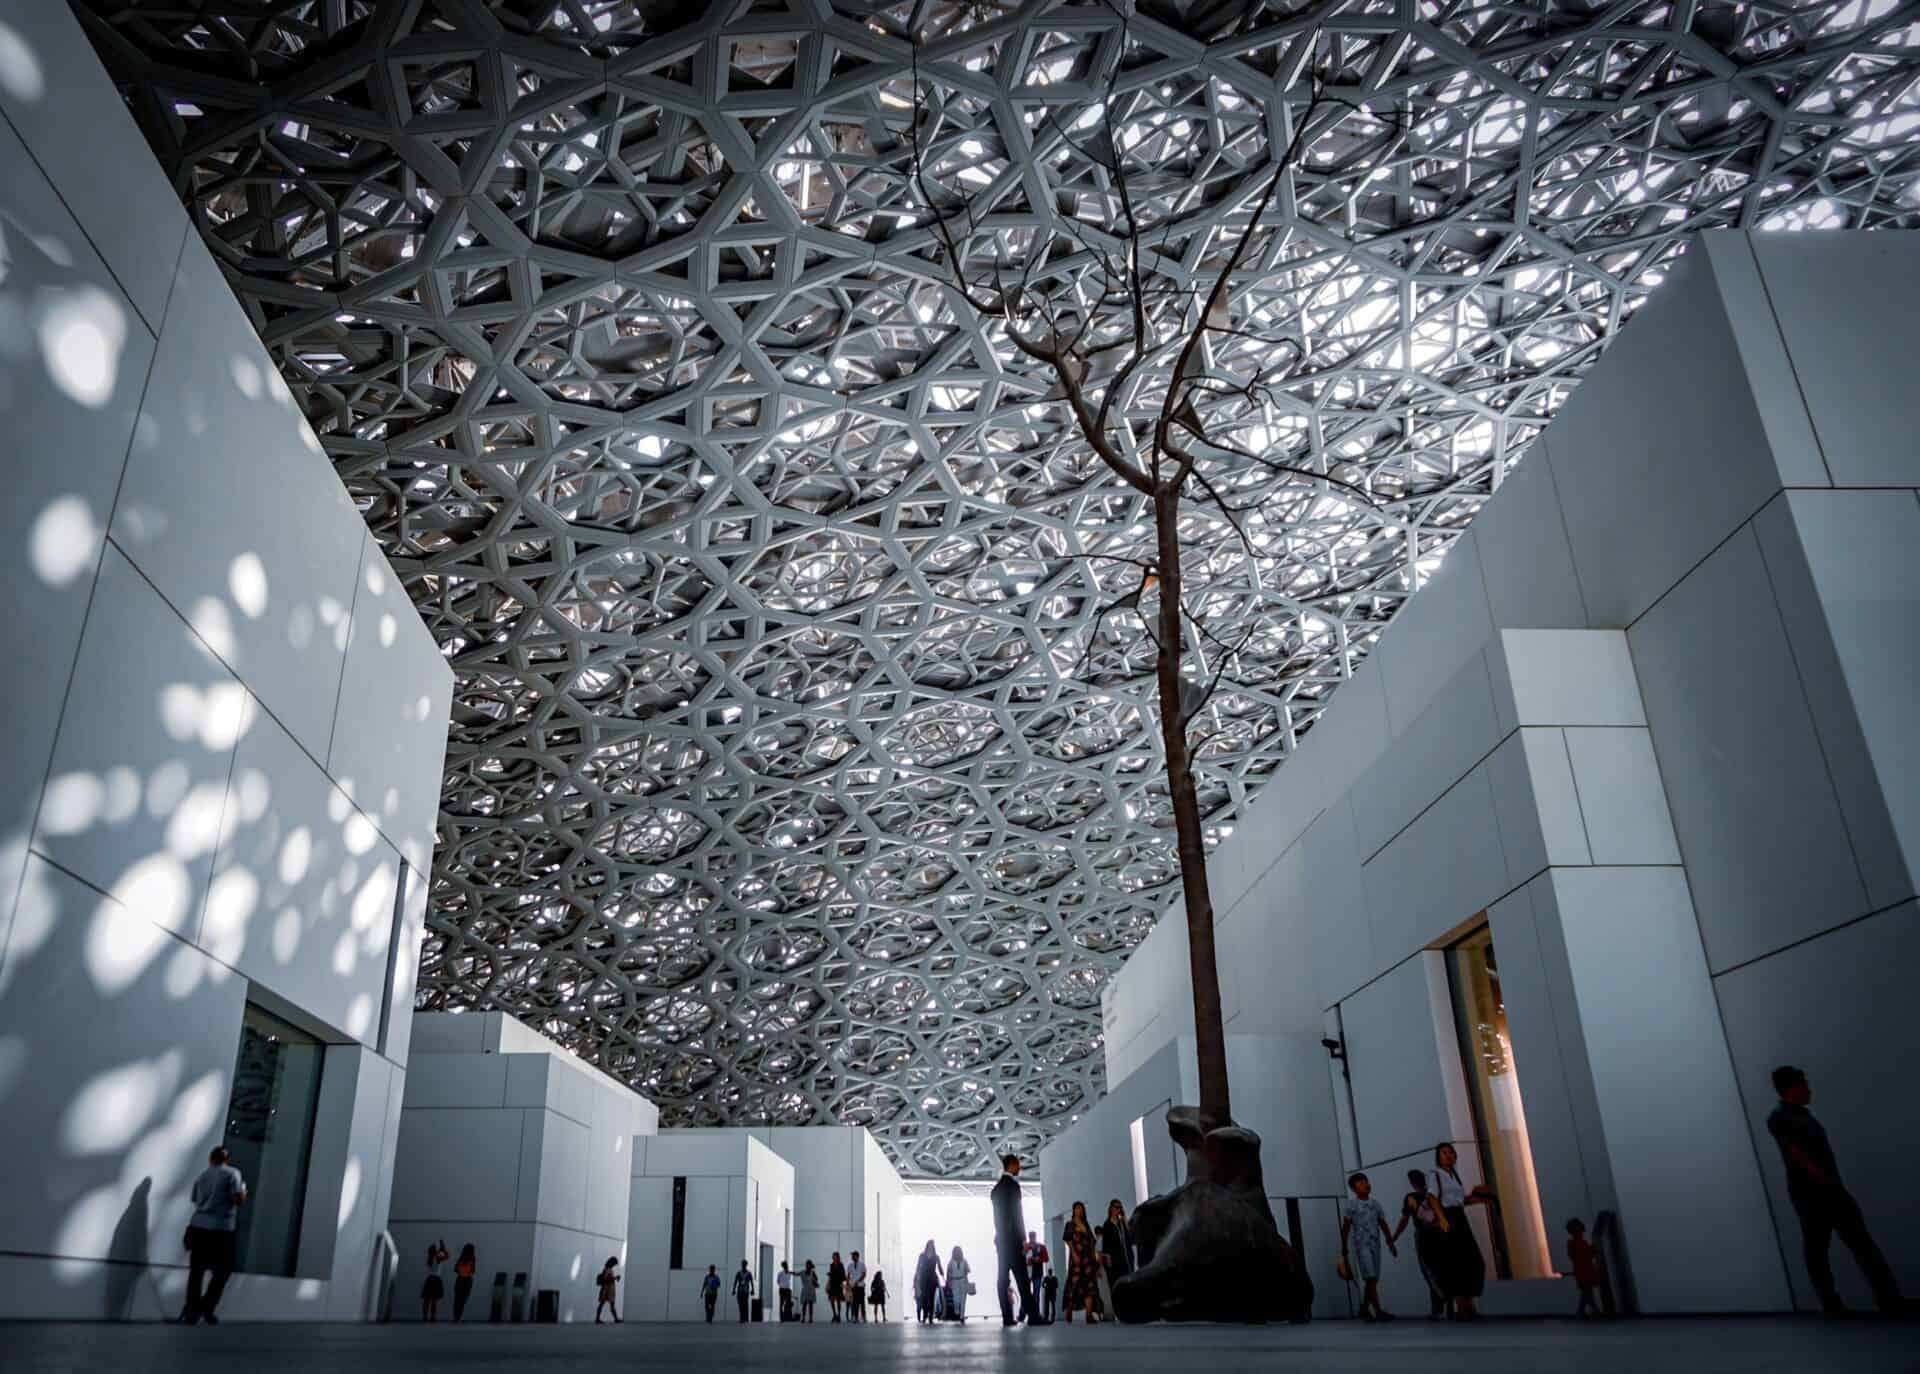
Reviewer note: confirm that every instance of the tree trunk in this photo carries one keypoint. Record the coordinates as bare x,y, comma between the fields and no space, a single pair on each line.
1209,1031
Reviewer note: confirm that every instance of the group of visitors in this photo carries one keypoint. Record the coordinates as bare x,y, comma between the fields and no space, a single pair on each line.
1435,1206
1455,1270
1449,1256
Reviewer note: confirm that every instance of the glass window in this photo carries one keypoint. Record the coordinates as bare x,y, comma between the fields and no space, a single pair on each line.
1518,1230
276,1093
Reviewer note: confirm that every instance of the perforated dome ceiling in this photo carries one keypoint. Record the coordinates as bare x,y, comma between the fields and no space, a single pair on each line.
784,782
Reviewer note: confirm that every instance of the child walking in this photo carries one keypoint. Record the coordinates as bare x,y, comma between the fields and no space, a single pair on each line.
1586,1268
1362,1227
609,1285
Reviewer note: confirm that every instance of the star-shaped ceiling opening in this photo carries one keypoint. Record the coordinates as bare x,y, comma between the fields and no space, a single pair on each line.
790,778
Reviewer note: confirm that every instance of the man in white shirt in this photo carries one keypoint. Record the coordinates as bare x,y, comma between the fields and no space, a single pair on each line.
785,1284
217,1195
856,1288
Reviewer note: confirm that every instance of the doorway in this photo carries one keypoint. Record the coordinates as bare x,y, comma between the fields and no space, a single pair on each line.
1518,1229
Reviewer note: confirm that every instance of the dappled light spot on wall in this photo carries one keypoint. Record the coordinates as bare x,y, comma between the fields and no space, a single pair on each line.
212,623
75,802
82,331
231,902
129,931
334,616
64,541
246,375
286,936
296,855
344,953
252,791
300,627
185,970
372,909
21,75
247,584
217,715
166,788
389,629
109,1111
360,1016
194,827
359,833
349,1190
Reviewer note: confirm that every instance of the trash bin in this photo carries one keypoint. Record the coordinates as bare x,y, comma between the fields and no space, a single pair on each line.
546,1306
758,1310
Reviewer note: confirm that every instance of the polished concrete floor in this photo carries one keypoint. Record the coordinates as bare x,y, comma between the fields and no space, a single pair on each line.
1657,1346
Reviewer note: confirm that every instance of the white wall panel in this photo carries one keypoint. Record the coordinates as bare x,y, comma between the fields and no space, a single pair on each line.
1675,1130
449,1032
1340,936
390,733
563,1171
1525,562
220,456
1863,551
126,1036
1399,1094
1660,452
1439,871
457,1164
1428,756
1621,800
649,1248
1564,677
1535,801
68,426
1438,631
60,99
527,1079
1350,734
303,887
1846,304
1762,354
1262,949
1841,1008
1753,805
1837,722
146,744
459,1080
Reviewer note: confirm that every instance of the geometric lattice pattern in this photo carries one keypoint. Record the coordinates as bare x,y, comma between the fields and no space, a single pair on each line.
790,778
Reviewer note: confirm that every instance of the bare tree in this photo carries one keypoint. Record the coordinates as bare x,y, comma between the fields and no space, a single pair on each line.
1157,369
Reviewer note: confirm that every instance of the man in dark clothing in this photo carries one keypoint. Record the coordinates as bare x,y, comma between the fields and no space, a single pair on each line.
1009,1231
710,1291
1826,1209
743,1289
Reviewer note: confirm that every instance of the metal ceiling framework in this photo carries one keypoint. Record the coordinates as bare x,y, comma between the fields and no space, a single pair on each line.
790,777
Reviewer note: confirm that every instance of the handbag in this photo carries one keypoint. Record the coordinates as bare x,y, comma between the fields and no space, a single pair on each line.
972,1288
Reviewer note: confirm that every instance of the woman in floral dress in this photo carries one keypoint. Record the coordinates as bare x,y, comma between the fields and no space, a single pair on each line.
1083,1266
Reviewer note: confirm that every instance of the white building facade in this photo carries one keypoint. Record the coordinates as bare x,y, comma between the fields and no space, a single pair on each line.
221,766
700,1199
1622,812
511,1145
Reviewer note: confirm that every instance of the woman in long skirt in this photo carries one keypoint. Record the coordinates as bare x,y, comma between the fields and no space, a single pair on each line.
1083,1266
1463,1269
